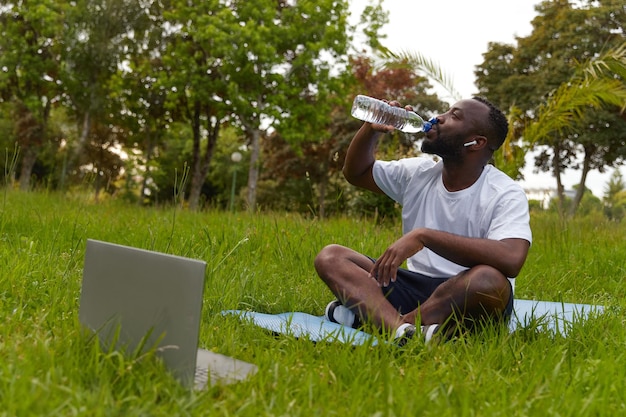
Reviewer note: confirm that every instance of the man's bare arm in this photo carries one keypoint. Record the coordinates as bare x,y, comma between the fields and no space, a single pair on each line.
506,255
360,157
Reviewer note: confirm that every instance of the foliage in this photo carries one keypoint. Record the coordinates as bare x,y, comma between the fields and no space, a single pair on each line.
313,167
566,82
535,205
98,37
615,197
29,58
426,68
133,69
510,157
283,78
580,103
589,205
98,92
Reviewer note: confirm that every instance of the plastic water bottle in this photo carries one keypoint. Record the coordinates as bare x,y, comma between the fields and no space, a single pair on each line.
377,111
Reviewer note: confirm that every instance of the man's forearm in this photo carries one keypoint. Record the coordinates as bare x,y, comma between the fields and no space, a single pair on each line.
360,154
360,157
507,255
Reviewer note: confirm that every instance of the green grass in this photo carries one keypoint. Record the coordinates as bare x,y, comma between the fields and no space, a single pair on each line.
264,262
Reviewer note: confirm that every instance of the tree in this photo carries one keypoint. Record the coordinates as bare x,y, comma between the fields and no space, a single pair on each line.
145,114
598,84
255,65
99,37
615,197
282,70
318,163
8,145
29,59
543,69
99,161
142,93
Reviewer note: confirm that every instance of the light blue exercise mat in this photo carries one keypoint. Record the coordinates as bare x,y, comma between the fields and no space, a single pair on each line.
305,325
546,315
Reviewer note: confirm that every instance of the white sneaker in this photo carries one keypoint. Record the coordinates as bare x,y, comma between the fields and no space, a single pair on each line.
338,313
407,331
429,331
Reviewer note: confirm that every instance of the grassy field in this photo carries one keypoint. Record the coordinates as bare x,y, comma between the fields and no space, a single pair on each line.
264,262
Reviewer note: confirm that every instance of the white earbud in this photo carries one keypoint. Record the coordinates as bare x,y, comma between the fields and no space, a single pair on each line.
466,144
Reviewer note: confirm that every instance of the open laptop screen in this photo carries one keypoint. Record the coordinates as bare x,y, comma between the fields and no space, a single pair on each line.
139,296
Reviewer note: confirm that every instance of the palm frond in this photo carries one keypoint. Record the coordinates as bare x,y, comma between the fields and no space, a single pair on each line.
597,84
614,61
429,68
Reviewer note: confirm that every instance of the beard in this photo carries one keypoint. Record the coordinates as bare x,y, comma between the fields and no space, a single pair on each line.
447,147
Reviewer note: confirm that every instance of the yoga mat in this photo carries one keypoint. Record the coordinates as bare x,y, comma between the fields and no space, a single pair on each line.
547,315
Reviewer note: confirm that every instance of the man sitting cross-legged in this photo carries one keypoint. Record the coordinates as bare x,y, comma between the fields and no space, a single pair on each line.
466,230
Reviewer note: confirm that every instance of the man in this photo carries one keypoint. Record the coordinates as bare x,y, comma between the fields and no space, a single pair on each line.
465,224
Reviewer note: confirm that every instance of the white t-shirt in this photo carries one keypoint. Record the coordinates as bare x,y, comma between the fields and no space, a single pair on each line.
494,207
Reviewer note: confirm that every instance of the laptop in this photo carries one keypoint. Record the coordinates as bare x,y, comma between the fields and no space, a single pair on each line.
136,299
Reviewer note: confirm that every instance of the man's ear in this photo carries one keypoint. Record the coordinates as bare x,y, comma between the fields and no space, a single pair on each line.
477,142
481,142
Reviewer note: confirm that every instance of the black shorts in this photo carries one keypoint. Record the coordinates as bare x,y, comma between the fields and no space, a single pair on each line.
411,289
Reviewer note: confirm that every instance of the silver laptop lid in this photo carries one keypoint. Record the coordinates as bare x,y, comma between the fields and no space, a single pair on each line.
148,297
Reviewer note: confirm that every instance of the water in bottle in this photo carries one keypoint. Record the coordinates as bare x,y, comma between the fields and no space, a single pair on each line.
376,111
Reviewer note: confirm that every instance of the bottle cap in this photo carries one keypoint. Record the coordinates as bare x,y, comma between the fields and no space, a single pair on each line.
429,124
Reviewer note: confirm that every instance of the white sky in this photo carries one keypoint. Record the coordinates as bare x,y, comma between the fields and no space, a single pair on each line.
454,34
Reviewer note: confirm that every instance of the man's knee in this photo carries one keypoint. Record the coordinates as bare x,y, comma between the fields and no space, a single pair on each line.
490,287
327,256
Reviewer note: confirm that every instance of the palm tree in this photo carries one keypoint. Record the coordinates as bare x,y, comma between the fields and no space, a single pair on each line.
597,84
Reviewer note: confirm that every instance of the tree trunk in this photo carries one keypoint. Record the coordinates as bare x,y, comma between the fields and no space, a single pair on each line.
253,171
84,134
146,175
201,162
30,136
70,162
196,162
28,162
556,168
581,186
98,181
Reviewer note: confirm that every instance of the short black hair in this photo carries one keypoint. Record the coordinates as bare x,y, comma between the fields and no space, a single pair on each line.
497,126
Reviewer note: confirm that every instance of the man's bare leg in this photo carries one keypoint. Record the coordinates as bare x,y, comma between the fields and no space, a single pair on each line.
478,293
346,273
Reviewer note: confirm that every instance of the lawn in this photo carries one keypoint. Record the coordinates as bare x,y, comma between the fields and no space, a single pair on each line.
264,262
